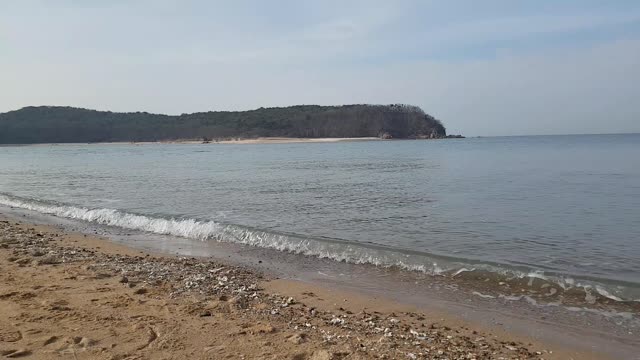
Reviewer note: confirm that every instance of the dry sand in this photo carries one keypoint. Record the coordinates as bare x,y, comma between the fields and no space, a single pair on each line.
73,296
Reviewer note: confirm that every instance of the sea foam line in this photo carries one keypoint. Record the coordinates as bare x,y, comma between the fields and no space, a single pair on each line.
185,228
211,230
341,252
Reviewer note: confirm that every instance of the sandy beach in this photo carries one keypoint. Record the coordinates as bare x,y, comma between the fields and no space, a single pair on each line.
69,295
240,141
284,140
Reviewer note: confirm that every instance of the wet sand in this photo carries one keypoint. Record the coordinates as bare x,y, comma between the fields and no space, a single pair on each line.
71,295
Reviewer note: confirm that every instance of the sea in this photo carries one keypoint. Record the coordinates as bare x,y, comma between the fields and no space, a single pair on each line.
553,218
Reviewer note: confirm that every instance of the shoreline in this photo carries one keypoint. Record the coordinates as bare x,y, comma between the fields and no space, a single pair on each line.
340,322
239,141
488,281
259,140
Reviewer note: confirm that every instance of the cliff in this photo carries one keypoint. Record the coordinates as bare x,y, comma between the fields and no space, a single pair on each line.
56,124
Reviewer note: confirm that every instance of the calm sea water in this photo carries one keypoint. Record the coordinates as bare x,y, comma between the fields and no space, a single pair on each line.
560,206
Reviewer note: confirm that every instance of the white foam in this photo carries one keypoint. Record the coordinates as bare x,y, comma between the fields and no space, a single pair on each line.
606,294
484,296
185,228
460,271
211,230
527,298
537,275
608,314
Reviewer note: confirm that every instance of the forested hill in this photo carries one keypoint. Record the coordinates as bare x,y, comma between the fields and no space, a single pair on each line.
55,124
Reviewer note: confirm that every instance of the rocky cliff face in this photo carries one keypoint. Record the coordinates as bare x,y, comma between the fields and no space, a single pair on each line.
66,124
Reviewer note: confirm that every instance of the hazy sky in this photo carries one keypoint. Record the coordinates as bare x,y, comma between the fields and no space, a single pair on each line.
490,67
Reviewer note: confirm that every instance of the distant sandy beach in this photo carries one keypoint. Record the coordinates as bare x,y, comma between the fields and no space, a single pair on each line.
283,140
260,140
70,295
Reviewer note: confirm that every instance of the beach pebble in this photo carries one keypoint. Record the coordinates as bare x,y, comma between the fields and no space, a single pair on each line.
37,252
297,338
263,329
22,261
320,355
49,260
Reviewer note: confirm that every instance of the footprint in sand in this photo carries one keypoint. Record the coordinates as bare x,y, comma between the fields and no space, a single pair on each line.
50,340
151,336
75,344
17,295
9,335
56,305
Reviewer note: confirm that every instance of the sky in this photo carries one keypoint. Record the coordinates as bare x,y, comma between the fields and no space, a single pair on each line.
491,67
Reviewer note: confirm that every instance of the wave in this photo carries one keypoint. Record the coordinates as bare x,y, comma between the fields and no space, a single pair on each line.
332,249
212,230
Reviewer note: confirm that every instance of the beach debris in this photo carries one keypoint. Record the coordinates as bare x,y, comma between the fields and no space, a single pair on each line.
336,321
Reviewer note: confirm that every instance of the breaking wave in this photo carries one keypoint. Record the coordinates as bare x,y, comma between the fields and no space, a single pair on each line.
211,230
338,250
